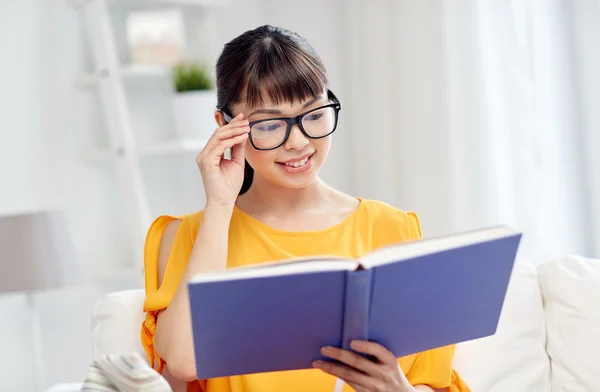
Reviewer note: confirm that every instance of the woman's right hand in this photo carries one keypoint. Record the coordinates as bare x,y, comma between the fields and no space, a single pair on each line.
222,177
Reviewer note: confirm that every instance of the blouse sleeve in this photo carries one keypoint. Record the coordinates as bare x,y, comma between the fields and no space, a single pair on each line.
159,297
434,368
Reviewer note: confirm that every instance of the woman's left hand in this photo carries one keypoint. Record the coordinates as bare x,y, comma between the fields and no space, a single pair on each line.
364,375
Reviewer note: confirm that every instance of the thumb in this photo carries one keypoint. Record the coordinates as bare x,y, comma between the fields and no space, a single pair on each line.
238,153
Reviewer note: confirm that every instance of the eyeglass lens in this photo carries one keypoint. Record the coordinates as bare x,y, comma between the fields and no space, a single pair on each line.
271,133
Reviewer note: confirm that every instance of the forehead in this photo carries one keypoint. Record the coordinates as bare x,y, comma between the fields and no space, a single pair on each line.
285,106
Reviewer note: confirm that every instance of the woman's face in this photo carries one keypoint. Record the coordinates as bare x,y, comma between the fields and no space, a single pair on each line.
295,163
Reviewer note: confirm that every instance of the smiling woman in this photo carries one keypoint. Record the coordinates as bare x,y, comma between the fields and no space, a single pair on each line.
267,203
263,77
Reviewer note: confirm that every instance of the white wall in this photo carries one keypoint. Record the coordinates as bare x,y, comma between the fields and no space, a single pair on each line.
586,30
25,162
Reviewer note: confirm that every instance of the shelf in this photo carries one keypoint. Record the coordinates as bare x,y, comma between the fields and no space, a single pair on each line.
140,4
150,4
153,150
129,72
145,71
174,147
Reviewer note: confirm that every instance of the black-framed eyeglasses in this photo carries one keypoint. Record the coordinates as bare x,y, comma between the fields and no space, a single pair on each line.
272,133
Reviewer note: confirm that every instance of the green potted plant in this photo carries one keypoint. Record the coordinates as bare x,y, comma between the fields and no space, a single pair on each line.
194,101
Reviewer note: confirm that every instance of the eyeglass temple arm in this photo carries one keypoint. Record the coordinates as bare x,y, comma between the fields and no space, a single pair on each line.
332,96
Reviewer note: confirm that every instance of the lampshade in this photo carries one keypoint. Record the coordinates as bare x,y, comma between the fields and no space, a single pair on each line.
36,252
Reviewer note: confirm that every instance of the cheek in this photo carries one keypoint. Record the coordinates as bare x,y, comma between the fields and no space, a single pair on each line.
322,146
258,159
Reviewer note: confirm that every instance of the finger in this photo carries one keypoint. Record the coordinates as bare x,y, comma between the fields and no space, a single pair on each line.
353,360
210,153
237,118
238,153
226,132
377,386
240,116
356,387
375,349
216,154
346,373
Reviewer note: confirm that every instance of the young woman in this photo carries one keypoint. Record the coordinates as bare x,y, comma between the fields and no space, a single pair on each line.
277,114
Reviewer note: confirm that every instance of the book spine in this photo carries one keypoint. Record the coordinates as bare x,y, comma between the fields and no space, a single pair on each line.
356,306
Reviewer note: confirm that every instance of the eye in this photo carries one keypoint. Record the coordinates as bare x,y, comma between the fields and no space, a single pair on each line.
314,116
267,127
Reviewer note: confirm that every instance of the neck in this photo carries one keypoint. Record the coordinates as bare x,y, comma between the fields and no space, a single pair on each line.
263,194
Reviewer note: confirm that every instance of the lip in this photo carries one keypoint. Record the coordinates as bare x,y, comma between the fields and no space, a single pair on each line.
298,158
291,170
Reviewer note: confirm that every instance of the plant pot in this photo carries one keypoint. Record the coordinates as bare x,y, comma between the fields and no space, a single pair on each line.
194,114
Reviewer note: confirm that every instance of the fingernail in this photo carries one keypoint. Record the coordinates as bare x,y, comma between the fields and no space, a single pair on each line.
326,350
318,364
356,344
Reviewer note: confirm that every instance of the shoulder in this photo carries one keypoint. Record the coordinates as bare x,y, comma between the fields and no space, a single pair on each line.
171,231
168,226
383,213
390,224
169,241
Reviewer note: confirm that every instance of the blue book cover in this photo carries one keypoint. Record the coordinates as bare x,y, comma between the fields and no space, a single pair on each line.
410,297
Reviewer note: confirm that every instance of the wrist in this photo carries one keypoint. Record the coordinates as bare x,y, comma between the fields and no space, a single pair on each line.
218,208
408,387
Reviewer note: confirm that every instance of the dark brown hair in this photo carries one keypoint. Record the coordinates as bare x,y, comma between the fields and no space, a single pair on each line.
267,63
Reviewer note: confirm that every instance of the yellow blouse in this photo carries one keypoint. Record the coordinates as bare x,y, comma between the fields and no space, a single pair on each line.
372,225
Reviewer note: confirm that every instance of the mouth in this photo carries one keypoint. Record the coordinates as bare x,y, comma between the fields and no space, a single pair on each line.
297,165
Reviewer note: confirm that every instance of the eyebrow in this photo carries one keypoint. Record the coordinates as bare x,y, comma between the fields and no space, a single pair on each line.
275,111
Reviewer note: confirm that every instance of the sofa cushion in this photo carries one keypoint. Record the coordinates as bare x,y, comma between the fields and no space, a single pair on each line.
571,289
118,320
514,359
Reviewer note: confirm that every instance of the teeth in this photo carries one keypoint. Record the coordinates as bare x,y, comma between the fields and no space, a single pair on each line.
297,163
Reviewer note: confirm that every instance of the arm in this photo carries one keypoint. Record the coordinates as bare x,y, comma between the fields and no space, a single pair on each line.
222,179
173,336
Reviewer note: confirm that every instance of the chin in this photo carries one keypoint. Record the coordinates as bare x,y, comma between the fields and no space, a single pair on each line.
294,183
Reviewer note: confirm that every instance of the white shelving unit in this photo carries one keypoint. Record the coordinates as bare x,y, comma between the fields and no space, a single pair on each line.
99,156
109,78
129,72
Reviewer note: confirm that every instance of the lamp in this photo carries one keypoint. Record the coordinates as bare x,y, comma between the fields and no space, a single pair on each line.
36,254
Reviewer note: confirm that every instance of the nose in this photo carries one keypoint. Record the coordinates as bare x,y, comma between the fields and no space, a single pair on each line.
297,140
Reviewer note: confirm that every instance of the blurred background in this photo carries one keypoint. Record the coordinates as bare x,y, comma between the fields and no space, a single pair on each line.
470,113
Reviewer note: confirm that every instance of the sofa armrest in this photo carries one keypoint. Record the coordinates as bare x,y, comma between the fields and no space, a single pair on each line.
76,387
118,319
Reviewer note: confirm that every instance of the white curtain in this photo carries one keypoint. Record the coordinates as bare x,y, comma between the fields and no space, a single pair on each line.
474,113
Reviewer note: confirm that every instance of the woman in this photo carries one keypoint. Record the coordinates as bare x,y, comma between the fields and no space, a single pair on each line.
276,114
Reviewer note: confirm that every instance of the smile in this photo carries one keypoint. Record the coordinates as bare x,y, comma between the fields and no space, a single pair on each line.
299,165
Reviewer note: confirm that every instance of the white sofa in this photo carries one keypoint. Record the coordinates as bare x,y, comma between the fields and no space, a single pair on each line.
548,338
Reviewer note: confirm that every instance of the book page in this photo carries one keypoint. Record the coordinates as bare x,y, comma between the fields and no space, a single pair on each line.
411,249
279,268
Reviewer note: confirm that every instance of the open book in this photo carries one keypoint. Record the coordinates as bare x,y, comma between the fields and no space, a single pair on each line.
410,297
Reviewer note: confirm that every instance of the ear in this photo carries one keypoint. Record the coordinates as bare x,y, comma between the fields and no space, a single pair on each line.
219,118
